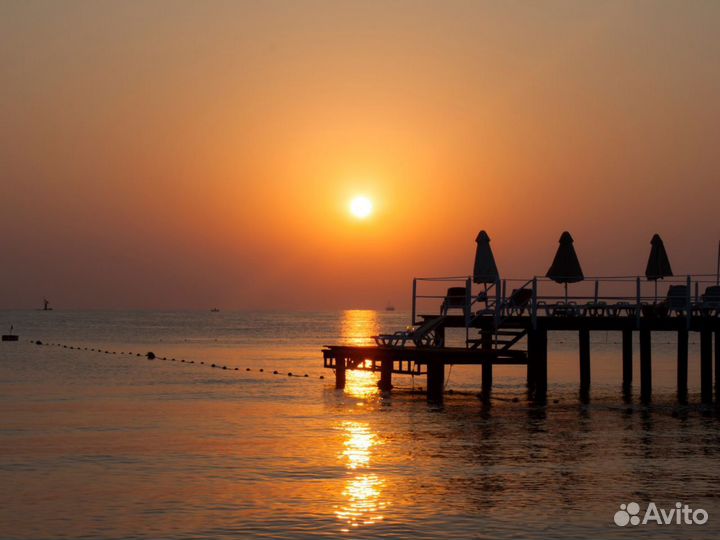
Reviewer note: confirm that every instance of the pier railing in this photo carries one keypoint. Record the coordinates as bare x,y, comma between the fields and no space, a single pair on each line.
602,296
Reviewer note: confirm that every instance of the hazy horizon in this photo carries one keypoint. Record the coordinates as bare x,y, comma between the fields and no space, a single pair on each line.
205,155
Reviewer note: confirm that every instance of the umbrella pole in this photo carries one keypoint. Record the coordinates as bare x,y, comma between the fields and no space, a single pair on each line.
717,272
566,295
656,291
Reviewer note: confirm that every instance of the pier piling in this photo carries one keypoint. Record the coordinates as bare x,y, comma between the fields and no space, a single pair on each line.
584,363
682,365
386,367
705,366
435,381
487,368
717,367
645,365
340,374
537,361
627,359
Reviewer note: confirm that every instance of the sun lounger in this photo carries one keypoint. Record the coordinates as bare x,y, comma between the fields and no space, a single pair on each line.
422,336
710,304
518,302
677,300
455,298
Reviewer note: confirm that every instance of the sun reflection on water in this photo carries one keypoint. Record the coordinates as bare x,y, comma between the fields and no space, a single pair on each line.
358,326
363,490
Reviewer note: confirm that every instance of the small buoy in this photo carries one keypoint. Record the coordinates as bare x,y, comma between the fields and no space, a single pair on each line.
150,355
212,365
261,370
305,375
164,357
192,361
556,401
515,400
183,360
138,354
289,374
236,369
38,342
202,362
275,372
322,376
224,367
247,369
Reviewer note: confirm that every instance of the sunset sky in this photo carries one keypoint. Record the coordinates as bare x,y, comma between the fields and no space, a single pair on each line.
171,155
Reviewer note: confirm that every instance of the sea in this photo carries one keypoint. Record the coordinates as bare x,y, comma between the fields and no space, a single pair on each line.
236,431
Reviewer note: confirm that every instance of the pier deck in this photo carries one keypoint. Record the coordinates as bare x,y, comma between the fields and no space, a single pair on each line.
500,330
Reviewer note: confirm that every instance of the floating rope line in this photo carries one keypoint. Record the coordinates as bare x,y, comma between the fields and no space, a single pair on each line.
150,355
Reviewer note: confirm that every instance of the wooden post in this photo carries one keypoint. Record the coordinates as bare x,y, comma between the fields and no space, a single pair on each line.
717,367
435,381
414,302
682,365
627,358
645,365
705,366
487,367
584,362
340,372
638,299
537,357
385,383
534,303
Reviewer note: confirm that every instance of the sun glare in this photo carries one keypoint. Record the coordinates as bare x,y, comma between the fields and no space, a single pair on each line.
361,207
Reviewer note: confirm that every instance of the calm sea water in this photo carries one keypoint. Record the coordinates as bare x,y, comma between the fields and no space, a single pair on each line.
96,445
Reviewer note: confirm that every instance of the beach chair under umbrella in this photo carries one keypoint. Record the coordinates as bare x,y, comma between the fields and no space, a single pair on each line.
658,265
565,267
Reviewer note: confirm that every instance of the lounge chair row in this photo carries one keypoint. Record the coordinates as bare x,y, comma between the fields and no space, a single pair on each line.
519,303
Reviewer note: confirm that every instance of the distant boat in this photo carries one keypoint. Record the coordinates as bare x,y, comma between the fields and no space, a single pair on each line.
389,307
10,336
214,310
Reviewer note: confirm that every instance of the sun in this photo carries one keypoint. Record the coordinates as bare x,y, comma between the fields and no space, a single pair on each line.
361,207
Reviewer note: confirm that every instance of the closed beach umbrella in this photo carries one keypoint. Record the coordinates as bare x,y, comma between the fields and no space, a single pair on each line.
565,267
658,265
485,270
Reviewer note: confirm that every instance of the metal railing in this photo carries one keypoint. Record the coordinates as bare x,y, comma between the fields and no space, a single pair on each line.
596,296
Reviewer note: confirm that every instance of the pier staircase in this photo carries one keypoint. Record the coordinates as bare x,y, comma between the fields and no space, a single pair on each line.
501,339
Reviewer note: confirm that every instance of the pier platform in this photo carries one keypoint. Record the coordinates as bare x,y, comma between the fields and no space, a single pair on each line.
501,330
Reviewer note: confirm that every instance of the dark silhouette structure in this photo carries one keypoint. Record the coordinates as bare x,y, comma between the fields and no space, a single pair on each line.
510,326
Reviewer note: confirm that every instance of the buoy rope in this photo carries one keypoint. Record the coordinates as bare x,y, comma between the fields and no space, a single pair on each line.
150,355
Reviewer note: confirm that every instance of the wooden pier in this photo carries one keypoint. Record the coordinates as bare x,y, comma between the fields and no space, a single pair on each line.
502,330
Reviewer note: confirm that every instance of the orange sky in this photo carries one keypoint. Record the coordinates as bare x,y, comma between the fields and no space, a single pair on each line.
200,154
